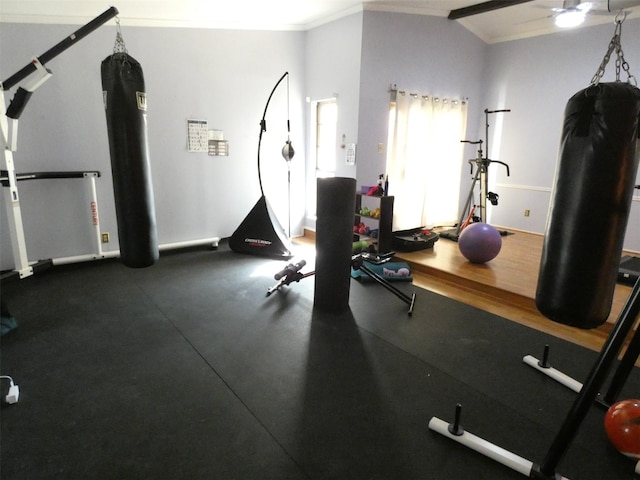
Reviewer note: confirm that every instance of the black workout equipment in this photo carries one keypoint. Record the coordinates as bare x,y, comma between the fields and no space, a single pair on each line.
126,109
4,175
601,142
291,273
260,233
60,47
336,204
482,163
358,262
629,270
590,206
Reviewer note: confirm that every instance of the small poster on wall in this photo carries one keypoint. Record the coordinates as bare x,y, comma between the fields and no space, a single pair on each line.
197,136
351,154
218,146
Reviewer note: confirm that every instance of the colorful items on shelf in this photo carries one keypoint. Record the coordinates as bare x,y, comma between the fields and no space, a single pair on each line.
365,212
361,229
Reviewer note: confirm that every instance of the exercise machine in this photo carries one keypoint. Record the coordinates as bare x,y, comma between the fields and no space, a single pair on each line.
482,164
292,273
9,127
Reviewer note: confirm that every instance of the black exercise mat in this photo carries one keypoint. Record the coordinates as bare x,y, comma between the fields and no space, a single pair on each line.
186,370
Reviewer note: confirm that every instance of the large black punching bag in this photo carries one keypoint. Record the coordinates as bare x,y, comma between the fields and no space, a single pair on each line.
598,163
126,107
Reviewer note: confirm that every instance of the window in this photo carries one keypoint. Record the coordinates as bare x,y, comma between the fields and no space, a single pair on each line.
424,159
326,113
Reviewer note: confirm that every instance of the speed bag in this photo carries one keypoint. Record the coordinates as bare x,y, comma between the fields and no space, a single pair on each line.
126,108
593,191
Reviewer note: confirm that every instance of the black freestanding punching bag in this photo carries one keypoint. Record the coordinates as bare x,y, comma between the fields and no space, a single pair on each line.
336,205
126,108
598,163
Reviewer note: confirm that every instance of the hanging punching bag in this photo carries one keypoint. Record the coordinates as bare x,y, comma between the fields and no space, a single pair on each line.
125,104
598,163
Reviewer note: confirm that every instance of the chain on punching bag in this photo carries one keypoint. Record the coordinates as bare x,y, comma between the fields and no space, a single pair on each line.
126,105
598,164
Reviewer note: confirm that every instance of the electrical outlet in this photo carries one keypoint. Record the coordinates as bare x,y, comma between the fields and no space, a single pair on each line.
105,237
527,212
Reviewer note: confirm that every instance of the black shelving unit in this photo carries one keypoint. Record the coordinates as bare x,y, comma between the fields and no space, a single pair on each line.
384,223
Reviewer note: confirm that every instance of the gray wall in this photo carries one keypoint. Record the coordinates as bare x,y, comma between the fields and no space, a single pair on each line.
333,54
535,77
222,76
430,55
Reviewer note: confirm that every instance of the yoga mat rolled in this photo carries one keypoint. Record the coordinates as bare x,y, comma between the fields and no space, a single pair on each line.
336,206
126,108
598,163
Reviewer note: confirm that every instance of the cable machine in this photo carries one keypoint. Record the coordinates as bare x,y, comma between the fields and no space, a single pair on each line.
482,163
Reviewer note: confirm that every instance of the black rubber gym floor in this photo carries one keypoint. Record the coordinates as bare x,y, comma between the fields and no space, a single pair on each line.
186,370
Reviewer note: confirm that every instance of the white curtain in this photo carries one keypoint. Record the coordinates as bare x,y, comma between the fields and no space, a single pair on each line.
424,158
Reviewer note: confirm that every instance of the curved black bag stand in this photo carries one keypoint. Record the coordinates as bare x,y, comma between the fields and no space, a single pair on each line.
260,233
598,161
126,106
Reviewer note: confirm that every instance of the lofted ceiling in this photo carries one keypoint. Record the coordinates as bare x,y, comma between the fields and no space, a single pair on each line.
527,19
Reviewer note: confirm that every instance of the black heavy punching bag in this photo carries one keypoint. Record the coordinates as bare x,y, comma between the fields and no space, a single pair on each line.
598,163
126,107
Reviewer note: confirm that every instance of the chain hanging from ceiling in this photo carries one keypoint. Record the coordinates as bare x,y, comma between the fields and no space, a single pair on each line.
615,45
119,46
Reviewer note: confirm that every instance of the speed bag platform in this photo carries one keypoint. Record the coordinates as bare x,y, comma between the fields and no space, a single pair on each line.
125,104
591,200
260,233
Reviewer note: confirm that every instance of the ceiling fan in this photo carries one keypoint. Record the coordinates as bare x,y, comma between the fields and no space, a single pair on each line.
574,12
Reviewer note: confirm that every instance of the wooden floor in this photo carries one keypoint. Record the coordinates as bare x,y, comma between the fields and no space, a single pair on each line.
504,286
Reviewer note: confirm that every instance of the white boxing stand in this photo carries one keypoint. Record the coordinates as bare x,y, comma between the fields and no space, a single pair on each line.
544,367
9,130
455,432
9,127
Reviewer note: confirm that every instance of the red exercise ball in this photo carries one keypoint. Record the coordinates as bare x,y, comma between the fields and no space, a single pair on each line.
622,424
479,242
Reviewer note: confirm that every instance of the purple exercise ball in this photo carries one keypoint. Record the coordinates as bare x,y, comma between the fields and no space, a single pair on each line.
479,242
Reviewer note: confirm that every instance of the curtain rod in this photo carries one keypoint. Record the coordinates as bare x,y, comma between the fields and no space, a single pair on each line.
393,89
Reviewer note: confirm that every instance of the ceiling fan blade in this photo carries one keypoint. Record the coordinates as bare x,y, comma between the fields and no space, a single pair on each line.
483,8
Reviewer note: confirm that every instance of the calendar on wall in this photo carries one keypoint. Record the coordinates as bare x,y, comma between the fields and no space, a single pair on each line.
197,136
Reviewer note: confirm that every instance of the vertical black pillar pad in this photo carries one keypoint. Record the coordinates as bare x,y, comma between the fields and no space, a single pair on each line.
336,205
